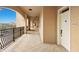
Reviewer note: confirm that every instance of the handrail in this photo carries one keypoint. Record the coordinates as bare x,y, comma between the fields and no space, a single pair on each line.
9,35
10,28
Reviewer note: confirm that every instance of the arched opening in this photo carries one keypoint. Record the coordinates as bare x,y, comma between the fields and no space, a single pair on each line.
12,25
7,18
13,16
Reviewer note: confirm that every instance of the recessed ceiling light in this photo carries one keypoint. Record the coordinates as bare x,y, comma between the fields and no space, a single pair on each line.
30,9
1,8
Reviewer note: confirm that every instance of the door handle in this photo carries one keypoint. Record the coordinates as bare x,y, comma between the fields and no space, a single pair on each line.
61,32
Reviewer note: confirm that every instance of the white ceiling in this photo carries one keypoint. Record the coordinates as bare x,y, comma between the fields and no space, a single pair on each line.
35,10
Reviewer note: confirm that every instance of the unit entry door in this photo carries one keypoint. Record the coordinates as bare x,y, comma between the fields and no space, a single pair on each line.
65,30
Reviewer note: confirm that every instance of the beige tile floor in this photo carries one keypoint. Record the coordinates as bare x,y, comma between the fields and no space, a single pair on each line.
32,43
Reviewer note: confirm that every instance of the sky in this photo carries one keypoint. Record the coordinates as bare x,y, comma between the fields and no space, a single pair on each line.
7,16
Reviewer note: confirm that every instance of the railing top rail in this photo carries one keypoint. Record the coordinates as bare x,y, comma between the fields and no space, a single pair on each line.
10,28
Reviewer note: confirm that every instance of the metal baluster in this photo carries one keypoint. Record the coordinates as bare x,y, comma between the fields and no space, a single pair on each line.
13,35
2,44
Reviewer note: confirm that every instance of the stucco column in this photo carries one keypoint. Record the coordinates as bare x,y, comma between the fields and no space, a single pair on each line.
29,23
25,29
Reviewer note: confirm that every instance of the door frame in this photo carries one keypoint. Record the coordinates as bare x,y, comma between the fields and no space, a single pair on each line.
59,23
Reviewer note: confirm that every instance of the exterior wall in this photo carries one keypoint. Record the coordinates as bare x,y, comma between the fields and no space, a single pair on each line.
50,24
74,28
20,21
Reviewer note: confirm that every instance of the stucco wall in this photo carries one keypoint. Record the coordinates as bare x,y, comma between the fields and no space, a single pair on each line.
50,24
74,15
20,21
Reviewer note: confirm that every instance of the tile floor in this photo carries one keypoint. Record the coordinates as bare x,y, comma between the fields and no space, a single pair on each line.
31,43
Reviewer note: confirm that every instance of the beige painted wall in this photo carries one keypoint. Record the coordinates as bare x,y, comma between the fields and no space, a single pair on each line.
50,24
74,28
20,21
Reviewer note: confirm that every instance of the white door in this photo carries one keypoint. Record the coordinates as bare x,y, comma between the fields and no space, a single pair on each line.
65,30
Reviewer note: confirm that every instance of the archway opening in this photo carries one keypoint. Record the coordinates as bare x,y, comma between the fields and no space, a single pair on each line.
7,18
12,25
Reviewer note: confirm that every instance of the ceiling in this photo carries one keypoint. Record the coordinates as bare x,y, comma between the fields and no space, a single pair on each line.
35,10
25,10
